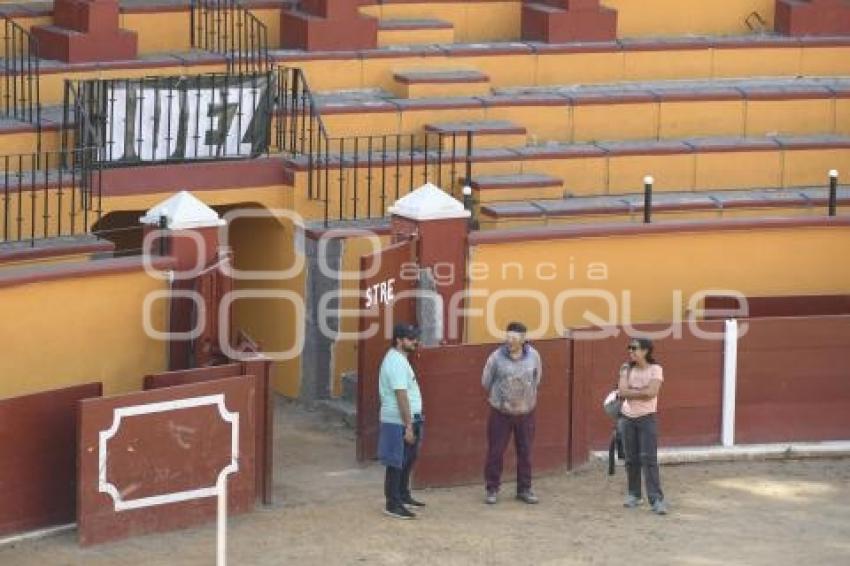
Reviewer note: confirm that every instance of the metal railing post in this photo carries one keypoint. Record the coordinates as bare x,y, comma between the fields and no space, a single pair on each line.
833,192
647,199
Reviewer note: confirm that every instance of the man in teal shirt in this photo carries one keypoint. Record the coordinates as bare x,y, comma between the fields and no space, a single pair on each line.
401,421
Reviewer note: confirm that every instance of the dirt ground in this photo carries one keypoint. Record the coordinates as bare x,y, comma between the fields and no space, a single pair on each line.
329,512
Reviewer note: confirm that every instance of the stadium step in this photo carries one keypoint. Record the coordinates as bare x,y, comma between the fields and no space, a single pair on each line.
421,31
487,134
688,205
523,186
659,110
440,83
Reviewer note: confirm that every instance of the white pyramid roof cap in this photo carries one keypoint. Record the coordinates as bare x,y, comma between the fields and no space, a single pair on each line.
429,202
183,211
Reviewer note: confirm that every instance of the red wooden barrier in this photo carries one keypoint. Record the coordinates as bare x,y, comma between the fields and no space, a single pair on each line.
259,367
689,407
38,451
794,380
152,454
790,305
456,412
371,350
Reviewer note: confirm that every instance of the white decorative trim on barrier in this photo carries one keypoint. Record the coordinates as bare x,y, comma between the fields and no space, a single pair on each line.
730,382
122,505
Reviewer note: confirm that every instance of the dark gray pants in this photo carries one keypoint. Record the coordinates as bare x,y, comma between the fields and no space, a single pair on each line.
640,440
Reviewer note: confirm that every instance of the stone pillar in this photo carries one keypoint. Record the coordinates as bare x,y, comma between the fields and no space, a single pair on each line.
85,31
193,242
317,356
814,17
562,21
440,225
328,25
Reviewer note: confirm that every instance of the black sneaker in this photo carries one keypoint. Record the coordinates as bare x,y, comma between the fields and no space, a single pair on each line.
399,512
410,501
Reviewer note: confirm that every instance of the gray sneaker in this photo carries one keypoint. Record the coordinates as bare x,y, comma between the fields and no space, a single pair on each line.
527,496
491,497
631,501
659,507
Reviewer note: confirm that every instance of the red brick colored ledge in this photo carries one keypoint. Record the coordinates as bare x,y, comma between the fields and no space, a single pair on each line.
82,269
195,176
632,229
54,250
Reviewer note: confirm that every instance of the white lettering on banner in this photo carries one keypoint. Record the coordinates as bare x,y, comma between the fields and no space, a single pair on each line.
179,119
381,293
200,122
117,131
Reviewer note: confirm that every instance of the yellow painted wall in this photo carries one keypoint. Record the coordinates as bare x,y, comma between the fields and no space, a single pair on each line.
267,244
622,121
472,21
344,357
52,84
798,117
18,150
159,32
618,121
677,17
70,331
42,217
589,68
766,262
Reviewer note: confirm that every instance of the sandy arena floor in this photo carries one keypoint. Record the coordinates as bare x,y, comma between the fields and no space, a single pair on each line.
772,513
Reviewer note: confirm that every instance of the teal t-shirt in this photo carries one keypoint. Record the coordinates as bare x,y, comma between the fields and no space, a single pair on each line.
395,374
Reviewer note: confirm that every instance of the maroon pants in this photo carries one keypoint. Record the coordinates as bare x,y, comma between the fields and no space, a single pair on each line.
499,430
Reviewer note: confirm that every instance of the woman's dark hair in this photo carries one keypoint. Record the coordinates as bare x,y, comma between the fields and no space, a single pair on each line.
646,344
517,327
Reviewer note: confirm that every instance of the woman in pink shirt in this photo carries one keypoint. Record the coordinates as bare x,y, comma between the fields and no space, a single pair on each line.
640,381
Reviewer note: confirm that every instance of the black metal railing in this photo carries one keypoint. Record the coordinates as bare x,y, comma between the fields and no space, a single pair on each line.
48,194
20,96
155,119
121,122
228,28
358,177
298,122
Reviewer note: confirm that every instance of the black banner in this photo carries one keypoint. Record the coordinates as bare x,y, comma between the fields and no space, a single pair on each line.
160,119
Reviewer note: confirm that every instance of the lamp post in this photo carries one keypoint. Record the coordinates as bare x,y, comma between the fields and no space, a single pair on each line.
647,199
833,191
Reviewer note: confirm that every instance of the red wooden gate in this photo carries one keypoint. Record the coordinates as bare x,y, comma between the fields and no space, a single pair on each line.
383,303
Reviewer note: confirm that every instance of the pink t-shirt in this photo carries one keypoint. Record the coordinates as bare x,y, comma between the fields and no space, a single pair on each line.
638,378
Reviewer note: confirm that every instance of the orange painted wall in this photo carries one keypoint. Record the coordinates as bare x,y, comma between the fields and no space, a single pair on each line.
765,262
675,17
71,331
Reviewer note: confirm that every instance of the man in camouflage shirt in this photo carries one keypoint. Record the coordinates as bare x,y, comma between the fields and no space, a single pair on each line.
511,377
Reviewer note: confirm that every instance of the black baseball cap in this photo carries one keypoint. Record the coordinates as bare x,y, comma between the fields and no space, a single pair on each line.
403,330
